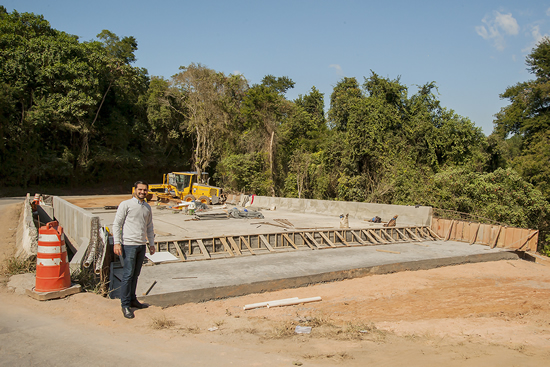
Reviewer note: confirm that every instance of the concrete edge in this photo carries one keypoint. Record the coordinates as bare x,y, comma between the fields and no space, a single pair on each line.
207,294
27,234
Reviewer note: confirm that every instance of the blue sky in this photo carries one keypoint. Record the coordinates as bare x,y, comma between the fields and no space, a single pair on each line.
473,50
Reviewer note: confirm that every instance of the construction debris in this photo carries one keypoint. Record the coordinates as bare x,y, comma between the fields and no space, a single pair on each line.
245,213
388,251
281,302
392,222
344,221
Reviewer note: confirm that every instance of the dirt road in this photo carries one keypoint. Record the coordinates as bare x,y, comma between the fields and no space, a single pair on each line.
495,313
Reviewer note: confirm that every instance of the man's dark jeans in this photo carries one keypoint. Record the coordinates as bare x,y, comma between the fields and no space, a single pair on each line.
132,260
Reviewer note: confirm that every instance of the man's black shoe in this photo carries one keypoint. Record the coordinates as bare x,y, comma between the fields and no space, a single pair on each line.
138,305
127,312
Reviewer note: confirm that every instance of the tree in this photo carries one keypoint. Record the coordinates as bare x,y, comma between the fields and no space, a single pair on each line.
527,119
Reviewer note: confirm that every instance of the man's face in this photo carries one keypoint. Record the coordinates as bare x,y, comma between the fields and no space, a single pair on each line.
141,191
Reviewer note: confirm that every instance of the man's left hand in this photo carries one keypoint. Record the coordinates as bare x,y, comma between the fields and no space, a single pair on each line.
152,250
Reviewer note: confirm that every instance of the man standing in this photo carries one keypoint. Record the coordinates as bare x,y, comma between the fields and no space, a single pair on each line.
132,230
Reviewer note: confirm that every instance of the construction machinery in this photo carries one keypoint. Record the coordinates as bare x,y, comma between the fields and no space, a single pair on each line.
185,186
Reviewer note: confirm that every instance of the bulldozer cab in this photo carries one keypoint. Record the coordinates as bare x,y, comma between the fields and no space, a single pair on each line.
180,181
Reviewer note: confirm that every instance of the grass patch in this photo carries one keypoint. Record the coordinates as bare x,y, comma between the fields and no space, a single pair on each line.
90,282
162,322
15,265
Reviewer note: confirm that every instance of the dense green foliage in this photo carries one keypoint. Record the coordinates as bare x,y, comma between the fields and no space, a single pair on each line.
77,113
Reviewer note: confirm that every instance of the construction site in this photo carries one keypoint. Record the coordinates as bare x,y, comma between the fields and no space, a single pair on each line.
331,262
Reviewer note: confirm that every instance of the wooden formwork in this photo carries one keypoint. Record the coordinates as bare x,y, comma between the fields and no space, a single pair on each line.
522,239
292,240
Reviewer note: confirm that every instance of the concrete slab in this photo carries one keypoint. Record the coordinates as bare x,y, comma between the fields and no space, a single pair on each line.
179,283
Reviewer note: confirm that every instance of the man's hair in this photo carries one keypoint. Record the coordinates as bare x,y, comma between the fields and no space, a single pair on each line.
140,182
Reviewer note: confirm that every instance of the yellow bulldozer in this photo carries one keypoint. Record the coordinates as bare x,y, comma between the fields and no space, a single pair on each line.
185,186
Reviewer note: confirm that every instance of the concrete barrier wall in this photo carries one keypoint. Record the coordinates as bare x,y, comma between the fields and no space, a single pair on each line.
27,234
408,215
76,222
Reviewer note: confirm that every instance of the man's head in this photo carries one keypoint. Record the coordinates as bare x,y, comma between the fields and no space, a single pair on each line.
141,188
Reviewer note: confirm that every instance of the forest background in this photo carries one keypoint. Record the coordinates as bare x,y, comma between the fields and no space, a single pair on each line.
78,115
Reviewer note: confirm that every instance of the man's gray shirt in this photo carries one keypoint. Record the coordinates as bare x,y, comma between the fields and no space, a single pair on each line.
133,223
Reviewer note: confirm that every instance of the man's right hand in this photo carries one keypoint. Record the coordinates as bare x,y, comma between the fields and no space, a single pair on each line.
117,249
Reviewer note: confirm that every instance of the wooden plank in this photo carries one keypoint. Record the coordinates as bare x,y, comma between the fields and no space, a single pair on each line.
474,236
330,243
402,235
312,239
247,245
203,250
341,238
358,237
290,241
412,235
435,235
448,235
180,253
266,243
226,246
496,237
380,239
371,238
527,240
383,230
234,245
389,251
306,241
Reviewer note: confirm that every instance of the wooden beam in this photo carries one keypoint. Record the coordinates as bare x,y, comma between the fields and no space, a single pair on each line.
474,236
527,239
290,241
383,230
341,238
369,235
247,245
306,241
448,236
435,235
331,244
402,235
204,251
389,251
380,239
266,243
225,246
234,245
496,237
312,239
412,235
180,253
358,237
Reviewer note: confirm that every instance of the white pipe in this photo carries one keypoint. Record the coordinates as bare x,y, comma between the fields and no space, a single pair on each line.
264,304
293,302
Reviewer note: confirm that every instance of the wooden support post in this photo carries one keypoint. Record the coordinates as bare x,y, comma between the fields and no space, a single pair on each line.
226,247
474,236
527,240
495,240
312,239
448,236
266,243
341,238
306,241
358,238
247,245
203,250
370,237
330,243
234,245
435,235
387,235
405,238
380,239
413,236
285,236
180,253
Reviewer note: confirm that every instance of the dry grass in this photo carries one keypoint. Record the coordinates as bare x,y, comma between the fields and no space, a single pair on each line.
162,322
14,266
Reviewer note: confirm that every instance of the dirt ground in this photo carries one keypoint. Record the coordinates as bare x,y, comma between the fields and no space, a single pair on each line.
494,313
